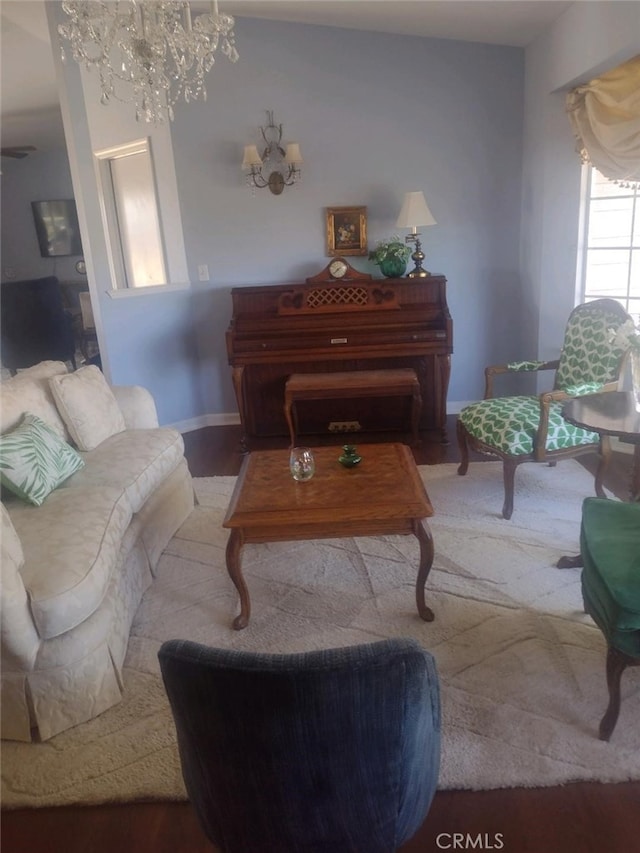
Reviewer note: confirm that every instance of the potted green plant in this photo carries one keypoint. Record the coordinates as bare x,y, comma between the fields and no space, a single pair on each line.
391,256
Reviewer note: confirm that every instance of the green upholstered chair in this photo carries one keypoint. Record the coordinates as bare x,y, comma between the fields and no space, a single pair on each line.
610,548
531,428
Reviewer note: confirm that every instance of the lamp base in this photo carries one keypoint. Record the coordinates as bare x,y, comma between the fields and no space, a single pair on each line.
418,257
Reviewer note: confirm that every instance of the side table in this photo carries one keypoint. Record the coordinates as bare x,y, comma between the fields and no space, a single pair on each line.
610,413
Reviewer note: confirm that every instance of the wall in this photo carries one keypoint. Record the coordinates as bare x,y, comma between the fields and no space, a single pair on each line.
41,176
587,39
376,116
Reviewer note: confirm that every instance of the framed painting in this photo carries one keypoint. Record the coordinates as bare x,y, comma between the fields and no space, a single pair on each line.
346,231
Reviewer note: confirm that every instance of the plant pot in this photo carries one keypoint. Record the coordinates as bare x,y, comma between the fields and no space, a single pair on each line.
393,267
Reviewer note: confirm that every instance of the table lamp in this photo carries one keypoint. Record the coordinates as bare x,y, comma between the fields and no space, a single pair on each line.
414,213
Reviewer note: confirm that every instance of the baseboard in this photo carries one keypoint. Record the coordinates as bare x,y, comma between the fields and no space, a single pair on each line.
202,421
231,418
456,407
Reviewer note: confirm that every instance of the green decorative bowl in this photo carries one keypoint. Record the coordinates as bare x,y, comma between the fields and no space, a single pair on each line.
393,267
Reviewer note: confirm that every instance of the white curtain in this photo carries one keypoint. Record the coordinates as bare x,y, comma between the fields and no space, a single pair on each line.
605,118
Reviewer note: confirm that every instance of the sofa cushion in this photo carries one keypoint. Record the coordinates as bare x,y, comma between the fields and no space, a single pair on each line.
135,461
9,539
42,370
71,546
34,460
88,406
19,639
29,391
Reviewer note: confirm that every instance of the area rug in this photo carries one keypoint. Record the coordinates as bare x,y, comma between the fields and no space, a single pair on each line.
522,668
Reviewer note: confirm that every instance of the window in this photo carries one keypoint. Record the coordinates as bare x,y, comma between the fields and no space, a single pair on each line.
130,209
612,243
138,221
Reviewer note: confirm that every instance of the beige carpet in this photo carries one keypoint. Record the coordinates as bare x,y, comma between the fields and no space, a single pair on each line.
521,666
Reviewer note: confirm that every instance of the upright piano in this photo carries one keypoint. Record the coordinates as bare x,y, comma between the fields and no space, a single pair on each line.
324,325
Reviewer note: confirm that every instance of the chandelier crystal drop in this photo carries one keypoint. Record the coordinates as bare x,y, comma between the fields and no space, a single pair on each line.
147,52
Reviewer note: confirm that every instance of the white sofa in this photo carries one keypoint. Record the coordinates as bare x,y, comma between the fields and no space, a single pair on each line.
74,568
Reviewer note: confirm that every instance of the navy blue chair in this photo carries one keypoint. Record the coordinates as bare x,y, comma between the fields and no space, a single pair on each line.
34,325
327,751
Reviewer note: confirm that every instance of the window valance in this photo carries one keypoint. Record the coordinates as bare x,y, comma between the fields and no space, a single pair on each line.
605,118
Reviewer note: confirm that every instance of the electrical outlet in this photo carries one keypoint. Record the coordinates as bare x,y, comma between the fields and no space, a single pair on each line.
344,426
203,272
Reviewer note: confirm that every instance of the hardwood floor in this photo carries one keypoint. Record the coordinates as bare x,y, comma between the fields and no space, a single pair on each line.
575,818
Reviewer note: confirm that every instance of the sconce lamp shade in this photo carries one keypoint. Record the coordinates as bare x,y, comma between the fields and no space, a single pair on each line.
251,157
414,212
293,154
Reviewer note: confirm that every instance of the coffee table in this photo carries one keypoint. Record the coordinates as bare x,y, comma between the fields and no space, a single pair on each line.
384,494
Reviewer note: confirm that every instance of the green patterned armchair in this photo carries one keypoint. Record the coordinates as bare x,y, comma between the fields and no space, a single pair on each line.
531,428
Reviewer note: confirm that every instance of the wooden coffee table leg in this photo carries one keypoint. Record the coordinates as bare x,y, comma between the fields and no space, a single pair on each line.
423,533
234,549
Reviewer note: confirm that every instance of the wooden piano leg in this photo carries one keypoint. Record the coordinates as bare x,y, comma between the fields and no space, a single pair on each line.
288,414
237,374
444,368
416,411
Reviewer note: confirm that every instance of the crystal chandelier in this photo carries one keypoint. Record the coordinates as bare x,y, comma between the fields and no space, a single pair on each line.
146,51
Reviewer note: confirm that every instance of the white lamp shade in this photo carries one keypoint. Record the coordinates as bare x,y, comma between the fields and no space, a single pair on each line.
414,212
293,154
251,157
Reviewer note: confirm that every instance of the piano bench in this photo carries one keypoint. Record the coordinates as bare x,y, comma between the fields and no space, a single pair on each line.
400,382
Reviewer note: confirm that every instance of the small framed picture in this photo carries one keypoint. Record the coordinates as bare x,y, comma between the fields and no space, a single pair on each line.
346,231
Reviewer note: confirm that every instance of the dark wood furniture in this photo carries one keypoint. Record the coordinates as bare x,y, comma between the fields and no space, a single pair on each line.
383,494
401,382
614,414
329,325
34,325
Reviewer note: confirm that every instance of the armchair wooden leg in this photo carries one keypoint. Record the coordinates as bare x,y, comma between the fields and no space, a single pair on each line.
617,662
508,475
463,447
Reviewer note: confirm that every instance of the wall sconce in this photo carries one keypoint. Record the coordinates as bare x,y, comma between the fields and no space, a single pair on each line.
284,164
415,212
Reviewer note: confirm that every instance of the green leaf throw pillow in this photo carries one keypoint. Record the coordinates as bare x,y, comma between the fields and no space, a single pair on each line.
34,460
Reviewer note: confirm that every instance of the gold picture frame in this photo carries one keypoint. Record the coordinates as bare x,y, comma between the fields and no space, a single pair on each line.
346,231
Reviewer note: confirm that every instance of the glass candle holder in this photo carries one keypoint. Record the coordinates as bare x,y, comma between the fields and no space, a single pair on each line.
301,463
